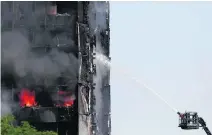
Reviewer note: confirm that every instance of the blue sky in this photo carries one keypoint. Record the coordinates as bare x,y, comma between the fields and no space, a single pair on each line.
169,46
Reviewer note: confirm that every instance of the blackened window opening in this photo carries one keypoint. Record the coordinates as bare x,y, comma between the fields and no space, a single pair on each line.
44,99
65,6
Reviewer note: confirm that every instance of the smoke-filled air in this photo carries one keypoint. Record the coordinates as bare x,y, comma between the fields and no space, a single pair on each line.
17,58
27,61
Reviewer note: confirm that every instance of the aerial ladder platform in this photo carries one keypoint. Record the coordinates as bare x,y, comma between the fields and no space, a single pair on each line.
191,121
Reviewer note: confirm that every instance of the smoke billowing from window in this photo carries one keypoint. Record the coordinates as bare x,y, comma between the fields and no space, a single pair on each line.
18,58
24,52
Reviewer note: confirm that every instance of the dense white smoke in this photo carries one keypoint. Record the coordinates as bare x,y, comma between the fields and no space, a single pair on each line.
101,72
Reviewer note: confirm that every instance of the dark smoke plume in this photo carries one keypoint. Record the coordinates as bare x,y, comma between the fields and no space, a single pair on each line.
28,66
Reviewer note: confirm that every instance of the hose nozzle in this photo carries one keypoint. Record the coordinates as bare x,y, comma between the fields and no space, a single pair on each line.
178,113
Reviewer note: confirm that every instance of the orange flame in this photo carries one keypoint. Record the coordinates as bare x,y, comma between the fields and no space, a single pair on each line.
68,101
27,98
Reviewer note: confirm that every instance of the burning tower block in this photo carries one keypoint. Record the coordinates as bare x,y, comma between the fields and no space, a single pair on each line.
48,68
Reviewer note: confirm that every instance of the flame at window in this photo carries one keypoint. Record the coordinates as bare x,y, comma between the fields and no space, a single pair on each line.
27,98
68,102
65,99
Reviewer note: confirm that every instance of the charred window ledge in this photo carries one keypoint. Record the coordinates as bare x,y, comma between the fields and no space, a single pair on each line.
63,7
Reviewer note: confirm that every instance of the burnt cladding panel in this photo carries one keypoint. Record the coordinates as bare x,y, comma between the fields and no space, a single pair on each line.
106,120
106,108
66,6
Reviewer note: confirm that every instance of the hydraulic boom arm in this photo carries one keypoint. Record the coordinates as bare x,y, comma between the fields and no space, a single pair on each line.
203,124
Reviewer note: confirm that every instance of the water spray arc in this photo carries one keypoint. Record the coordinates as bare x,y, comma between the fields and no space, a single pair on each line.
188,120
153,92
104,60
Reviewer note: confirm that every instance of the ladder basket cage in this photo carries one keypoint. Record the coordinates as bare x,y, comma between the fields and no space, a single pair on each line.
189,120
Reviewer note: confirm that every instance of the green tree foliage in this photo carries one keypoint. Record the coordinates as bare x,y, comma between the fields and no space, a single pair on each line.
7,128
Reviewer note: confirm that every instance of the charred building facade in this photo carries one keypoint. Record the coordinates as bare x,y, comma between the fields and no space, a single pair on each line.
49,72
